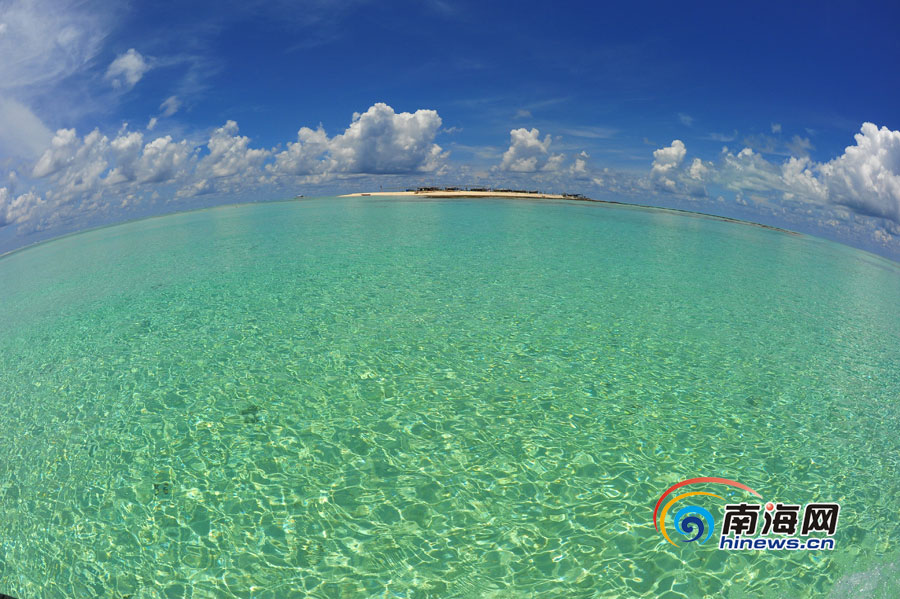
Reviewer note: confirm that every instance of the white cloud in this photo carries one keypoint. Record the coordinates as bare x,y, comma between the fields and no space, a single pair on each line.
62,149
44,41
748,171
164,160
74,166
776,127
591,132
884,237
619,183
22,133
666,160
378,141
685,119
765,144
230,154
800,180
857,191
722,136
158,161
197,188
382,141
698,170
529,153
170,106
554,163
15,210
866,178
307,156
127,69
126,150
85,167
799,146
95,173
43,46
579,166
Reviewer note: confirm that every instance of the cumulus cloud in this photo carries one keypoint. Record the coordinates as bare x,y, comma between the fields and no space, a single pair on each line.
579,166
378,141
197,188
866,178
74,165
859,191
82,175
698,170
307,156
17,209
163,160
666,161
668,173
528,153
127,69
80,167
126,149
668,158
230,154
856,194
799,178
382,141
748,171
89,175
62,149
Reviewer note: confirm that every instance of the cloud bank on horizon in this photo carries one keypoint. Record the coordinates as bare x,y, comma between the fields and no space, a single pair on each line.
77,82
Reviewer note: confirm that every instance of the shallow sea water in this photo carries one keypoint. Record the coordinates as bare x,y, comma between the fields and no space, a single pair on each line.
402,399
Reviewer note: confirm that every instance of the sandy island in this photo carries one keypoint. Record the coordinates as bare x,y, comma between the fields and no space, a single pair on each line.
468,194
461,193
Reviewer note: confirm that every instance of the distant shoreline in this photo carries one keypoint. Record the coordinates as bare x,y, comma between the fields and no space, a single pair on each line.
553,196
469,194
435,194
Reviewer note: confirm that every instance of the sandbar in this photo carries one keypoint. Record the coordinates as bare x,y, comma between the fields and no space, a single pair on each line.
467,194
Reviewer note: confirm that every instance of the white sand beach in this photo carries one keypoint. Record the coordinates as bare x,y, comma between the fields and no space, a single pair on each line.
466,194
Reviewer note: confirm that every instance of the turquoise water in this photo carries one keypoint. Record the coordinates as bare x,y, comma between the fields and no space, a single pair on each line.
404,399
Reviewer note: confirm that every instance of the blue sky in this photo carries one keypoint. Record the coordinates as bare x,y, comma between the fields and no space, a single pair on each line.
782,114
